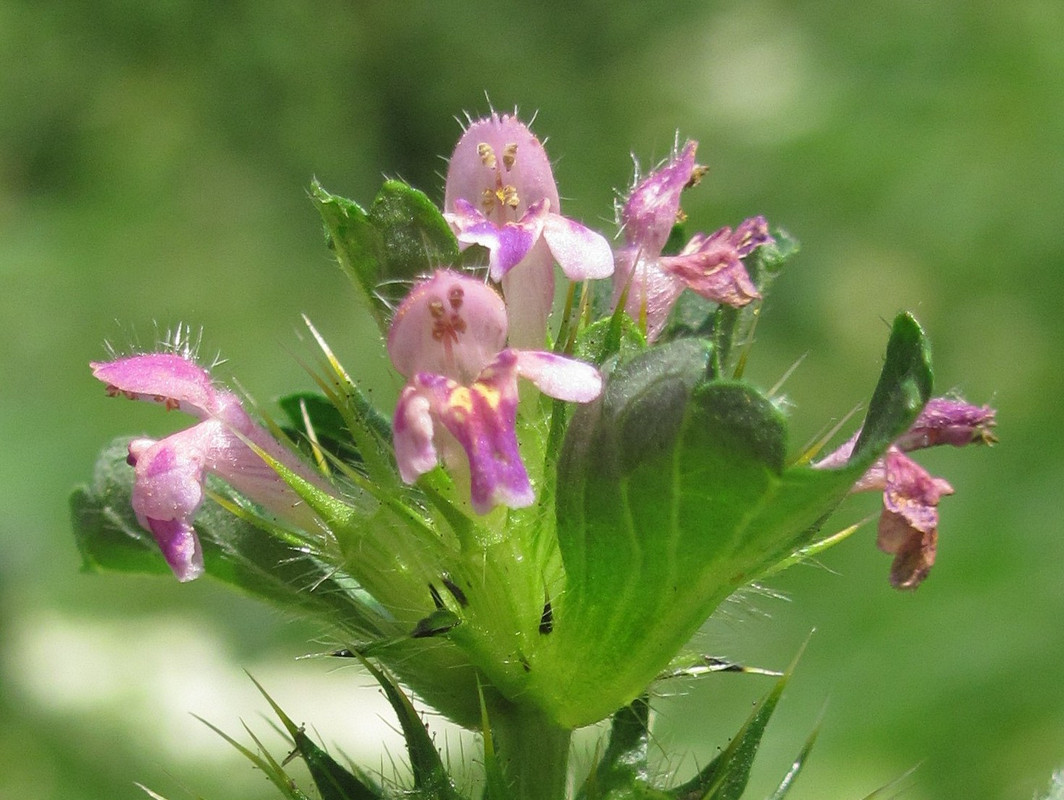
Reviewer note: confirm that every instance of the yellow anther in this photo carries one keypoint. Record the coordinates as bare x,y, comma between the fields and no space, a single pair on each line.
489,394
509,156
487,155
697,174
508,196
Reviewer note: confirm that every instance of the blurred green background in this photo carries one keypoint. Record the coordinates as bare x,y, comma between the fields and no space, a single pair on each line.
154,160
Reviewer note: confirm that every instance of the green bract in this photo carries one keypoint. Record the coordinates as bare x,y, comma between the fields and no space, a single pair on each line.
672,493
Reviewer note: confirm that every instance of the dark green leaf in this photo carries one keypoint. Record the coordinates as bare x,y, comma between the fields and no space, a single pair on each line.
334,782
403,236
622,772
904,387
725,777
672,493
430,774
235,551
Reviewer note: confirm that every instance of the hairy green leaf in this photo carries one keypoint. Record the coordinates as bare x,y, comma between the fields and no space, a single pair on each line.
726,776
430,774
235,551
672,493
334,782
401,237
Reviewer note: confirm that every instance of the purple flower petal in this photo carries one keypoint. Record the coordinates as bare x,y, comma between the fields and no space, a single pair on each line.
559,377
946,420
180,547
649,292
450,324
908,526
500,168
413,434
651,210
913,550
482,418
580,252
710,266
164,378
751,234
507,244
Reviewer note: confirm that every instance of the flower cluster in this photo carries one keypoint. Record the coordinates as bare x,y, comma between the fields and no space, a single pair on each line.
461,342
551,510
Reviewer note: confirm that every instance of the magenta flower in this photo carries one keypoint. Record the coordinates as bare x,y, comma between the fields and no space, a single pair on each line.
709,265
448,339
170,473
501,194
908,525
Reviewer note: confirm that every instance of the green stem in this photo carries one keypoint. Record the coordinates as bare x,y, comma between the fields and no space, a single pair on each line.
533,752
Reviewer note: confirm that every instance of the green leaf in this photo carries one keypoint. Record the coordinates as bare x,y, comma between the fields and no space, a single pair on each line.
610,336
267,764
725,777
403,236
235,551
672,493
324,419
430,774
334,782
796,767
904,387
495,787
622,772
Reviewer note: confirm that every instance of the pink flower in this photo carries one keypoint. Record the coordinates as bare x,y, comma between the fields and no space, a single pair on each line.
170,473
448,339
908,525
711,266
501,194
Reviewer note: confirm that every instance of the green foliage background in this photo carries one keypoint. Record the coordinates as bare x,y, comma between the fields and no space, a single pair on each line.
154,165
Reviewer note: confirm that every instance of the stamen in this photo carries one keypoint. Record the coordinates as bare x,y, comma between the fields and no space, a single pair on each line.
446,327
509,156
487,155
508,195
697,173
